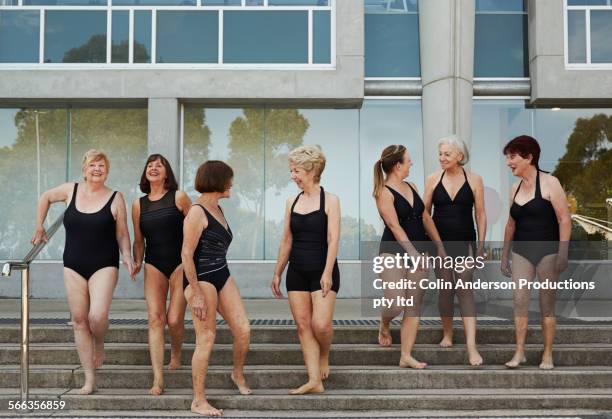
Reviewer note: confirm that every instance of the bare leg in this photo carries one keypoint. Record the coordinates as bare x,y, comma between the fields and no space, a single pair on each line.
78,300
101,287
446,299
322,318
468,314
388,314
521,268
176,317
232,310
155,290
410,324
546,270
301,308
205,338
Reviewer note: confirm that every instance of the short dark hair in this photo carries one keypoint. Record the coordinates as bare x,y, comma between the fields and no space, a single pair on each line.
524,145
170,182
213,176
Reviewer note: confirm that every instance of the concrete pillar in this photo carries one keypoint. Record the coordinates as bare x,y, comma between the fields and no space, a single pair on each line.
164,130
446,32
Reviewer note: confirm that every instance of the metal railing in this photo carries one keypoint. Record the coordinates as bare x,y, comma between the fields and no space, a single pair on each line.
24,267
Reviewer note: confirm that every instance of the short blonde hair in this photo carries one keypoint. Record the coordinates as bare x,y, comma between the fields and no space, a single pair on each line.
458,144
95,155
309,158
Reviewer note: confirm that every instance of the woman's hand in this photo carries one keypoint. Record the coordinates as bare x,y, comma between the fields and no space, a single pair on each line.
506,270
561,263
129,265
137,268
275,286
198,304
40,235
326,283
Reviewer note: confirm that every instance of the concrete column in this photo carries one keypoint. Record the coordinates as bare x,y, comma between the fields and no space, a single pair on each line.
446,32
164,130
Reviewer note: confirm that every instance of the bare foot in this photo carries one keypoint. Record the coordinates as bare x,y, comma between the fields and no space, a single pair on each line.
309,387
384,335
157,389
516,360
446,342
324,367
547,362
98,353
87,389
204,408
242,385
174,363
410,362
474,357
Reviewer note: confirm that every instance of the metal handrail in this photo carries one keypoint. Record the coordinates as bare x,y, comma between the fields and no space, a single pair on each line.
24,267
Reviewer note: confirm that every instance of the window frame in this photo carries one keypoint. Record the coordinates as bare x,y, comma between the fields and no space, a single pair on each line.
587,27
130,65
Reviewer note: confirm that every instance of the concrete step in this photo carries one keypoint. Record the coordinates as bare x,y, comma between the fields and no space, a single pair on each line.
342,334
342,378
334,400
341,354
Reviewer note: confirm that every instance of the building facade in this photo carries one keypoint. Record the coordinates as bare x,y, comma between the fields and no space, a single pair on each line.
246,81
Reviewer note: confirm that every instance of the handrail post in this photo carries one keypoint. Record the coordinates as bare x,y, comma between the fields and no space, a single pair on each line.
25,332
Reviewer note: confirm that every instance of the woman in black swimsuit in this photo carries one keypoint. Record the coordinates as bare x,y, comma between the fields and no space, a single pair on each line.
158,224
538,228
408,229
456,196
209,286
96,229
310,241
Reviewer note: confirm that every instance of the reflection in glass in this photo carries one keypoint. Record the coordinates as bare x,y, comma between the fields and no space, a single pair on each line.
500,46
236,137
120,35
501,5
33,156
576,36
601,36
391,44
298,2
587,2
336,133
187,37
19,36
75,36
321,21
273,37
142,36
154,2
64,2
390,6
382,123
221,2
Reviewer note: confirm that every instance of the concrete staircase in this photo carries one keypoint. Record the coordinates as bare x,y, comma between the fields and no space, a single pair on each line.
364,377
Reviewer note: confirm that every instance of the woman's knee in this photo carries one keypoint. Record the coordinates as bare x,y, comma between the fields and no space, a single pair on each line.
321,328
205,337
303,325
242,331
157,320
80,322
175,321
97,320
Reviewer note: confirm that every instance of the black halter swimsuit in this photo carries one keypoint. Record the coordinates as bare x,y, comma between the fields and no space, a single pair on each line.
411,220
453,218
309,250
537,230
161,223
91,238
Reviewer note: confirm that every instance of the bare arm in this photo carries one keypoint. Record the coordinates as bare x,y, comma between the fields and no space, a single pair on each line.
561,206
61,193
479,210
430,184
183,202
430,226
122,233
283,251
333,241
138,247
508,234
384,203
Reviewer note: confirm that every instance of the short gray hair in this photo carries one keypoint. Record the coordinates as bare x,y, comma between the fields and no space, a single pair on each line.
458,144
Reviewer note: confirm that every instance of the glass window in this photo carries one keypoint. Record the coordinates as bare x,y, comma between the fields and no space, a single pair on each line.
500,45
321,21
500,5
298,2
142,36
601,36
576,35
154,2
588,2
235,136
264,43
382,123
120,36
336,133
19,36
221,2
187,37
391,39
64,2
75,36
